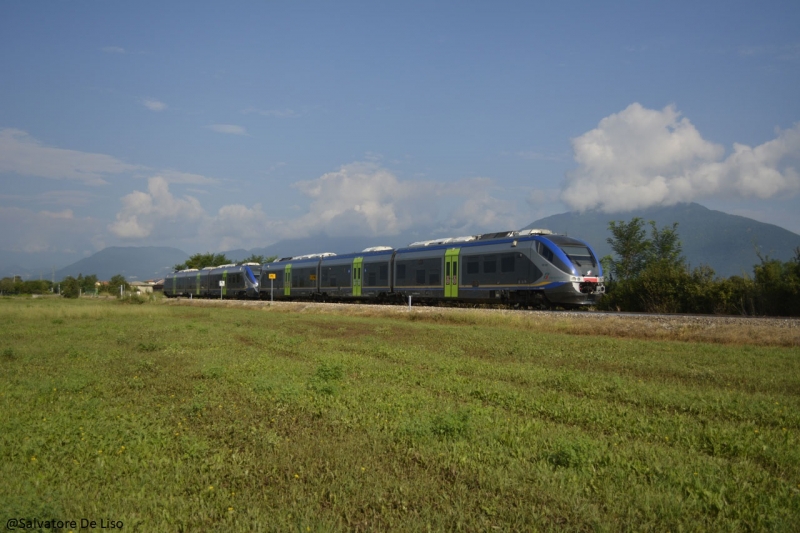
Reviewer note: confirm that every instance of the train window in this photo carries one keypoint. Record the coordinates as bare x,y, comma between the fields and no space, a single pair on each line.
489,265
384,273
580,255
447,269
421,277
372,279
473,267
331,276
507,263
434,279
401,272
544,251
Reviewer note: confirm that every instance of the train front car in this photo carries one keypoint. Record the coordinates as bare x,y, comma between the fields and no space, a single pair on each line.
232,281
573,275
523,268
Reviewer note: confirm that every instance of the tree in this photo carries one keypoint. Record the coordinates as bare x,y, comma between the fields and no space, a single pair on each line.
630,244
70,287
88,284
116,282
7,286
260,259
665,245
199,261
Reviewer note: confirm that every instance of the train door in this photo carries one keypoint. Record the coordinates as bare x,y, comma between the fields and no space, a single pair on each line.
224,287
357,262
451,273
287,280
197,291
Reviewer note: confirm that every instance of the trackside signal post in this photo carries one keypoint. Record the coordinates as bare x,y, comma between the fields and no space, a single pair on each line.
271,286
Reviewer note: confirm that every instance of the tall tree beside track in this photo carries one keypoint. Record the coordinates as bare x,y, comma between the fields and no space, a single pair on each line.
260,259
651,275
629,243
199,261
777,285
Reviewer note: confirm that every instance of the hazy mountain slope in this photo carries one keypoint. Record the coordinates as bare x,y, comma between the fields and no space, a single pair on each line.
725,242
135,263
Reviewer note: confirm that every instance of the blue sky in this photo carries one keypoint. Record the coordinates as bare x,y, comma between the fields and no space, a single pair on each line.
211,126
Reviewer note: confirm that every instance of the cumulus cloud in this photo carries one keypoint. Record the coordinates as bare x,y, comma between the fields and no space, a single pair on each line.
237,225
154,105
363,198
22,154
642,157
230,129
359,199
367,199
157,209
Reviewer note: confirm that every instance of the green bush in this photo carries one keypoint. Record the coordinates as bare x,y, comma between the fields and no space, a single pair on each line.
661,282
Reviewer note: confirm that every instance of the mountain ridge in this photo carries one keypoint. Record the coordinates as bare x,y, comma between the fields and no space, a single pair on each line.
729,244
136,263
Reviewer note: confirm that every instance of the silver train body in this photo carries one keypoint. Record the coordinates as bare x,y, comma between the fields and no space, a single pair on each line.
529,267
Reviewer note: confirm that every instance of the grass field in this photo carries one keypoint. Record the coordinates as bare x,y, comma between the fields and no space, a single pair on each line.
189,418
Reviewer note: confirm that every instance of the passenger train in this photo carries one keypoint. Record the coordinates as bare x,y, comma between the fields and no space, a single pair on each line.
527,268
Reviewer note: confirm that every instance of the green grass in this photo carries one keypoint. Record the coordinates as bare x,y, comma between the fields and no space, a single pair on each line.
190,418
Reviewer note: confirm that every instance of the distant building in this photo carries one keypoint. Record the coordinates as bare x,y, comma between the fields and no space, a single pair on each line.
143,287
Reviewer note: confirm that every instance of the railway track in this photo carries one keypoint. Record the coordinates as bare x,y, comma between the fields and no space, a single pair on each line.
758,329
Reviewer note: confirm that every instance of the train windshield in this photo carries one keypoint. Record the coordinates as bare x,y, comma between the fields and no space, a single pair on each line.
582,258
252,274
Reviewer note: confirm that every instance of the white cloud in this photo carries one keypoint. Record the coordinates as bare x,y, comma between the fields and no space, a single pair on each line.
276,113
22,154
238,225
154,105
362,198
113,50
156,211
176,176
544,197
230,129
480,210
70,198
45,231
642,157
359,199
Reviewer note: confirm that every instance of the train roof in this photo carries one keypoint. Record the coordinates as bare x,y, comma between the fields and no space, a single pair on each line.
481,237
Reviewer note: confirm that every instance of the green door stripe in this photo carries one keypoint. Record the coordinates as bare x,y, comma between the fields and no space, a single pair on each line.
357,266
287,280
451,272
